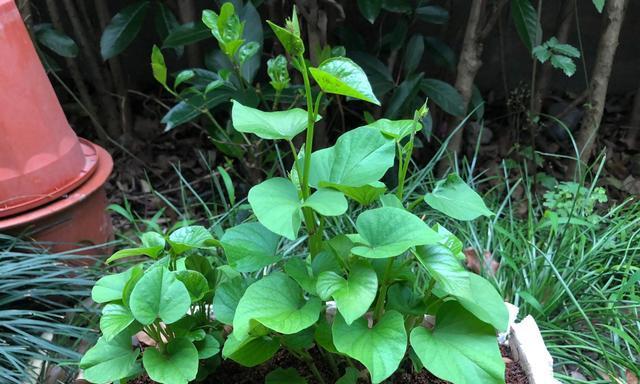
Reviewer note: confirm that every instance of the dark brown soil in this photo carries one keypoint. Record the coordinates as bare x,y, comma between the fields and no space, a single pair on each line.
232,373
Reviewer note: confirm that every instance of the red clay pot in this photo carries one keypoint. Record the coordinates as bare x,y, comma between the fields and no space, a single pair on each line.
50,181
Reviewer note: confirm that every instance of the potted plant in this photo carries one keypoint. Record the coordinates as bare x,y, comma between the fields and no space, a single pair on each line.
355,293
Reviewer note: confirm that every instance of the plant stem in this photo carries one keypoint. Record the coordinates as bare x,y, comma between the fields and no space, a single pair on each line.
404,165
306,357
315,237
382,292
331,361
308,146
414,204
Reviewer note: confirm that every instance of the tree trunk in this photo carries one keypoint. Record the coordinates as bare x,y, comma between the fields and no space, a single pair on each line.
187,13
76,74
600,79
108,107
479,25
117,73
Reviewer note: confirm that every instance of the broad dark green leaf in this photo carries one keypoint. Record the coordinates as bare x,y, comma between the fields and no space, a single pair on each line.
377,72
453,197
413,54
460,348
403,97
440,52
56,41
398,6
380,348
194,105
525,19
186,34
444,95
164,19
122,29
433,14
341,76
370,9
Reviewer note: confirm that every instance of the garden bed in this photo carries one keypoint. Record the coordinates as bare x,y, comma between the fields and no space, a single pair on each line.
231,372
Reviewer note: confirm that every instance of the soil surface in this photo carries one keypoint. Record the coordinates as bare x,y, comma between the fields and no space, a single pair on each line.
232,373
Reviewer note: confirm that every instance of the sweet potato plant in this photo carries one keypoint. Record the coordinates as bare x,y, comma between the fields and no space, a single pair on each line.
362,282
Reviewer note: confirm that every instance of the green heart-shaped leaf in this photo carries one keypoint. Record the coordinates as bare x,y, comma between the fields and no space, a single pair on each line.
389,231
277,302
250,351
110,287
278,125
250,247
327,202
207,347
300,271
365,194
115,319
403,298
396,129
456,199
195,283
484,302
380,348
443,266
350,376
194,236
341,76
460,349
109,361
228,294
152,245
159,294
354,295
277,205
359,157
177,365
284,376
